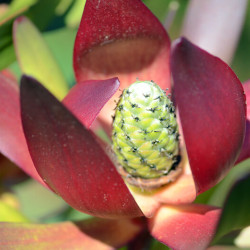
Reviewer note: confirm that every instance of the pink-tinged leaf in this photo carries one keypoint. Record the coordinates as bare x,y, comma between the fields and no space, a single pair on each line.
86,99
101,234
185,227
212,109
182,191
211,29
123,39
12,143
245,151
69,159
9,74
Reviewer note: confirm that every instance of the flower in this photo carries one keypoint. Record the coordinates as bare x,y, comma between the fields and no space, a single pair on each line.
123,39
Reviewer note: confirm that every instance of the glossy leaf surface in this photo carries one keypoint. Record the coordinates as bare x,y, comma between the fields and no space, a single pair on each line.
90,234
185,227
69,159
13,144
86,99
212,110
35,58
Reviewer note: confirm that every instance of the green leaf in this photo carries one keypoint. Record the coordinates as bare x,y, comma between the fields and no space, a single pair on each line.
43,13
235,214
35,58
7,55
74,16
158,7
63,51
38,203
217,198
10,214
15,9
63,6
156,245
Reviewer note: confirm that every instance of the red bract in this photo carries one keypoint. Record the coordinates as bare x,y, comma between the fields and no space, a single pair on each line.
123,39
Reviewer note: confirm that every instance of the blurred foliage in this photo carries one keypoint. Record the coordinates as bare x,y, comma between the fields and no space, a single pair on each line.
32,52
241,62
10,214
235,202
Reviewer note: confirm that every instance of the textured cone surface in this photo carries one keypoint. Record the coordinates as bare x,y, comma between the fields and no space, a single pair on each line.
145,132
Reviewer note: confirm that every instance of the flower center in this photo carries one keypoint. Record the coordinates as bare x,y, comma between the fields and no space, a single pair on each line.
145,136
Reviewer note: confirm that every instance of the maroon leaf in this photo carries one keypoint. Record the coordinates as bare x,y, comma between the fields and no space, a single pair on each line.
86,99
121,38
12,143
69,159
212,110
101,234
185,227
245,151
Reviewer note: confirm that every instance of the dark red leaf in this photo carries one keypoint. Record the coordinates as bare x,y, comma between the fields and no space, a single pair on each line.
123,39
245,151
12,143
69,159
212,109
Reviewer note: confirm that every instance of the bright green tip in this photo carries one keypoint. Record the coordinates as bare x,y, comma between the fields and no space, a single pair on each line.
145,131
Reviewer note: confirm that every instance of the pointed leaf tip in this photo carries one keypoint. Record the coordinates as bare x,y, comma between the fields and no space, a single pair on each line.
35,57
86,99
211,104
68,158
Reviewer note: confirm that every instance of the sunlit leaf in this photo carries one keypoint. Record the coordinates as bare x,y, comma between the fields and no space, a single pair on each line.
13,10
73,18
16,8
35,58
62,7
10,214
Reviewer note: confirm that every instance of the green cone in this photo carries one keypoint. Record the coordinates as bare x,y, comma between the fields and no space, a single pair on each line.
145,132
